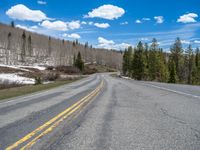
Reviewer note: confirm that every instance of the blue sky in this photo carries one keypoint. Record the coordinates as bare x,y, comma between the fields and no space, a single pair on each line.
108,23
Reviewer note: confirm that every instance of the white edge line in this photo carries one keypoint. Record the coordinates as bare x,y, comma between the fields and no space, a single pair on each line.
178,92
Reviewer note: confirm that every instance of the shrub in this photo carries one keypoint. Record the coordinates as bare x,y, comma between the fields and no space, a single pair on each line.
51,76
38,81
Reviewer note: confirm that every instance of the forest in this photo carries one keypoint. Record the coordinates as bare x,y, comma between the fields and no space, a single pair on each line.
21,47
151,63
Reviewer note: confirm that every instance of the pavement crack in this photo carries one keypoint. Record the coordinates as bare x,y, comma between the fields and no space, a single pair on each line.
165,112
105,133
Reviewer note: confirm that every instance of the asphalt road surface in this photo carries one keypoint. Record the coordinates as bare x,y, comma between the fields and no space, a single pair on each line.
104,113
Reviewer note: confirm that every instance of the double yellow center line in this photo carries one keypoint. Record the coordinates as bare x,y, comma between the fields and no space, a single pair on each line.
54,122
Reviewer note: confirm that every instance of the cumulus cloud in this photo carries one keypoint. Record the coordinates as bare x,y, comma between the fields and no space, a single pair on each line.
21,12
124,23
42,2
90,23
103,41
159,19
83,22
73,25
146,19
73,35
31,28
197,42
138,21
187,18
110,44
55,25
185,42
60,25
102,25
109,12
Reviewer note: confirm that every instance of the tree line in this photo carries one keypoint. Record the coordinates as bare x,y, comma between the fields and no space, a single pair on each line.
151,63
18,46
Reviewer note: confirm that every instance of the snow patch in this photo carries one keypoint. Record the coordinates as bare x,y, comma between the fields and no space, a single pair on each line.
14,67
14,78
20,67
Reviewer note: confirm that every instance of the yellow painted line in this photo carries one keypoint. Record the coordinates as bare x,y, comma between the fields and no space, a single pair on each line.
48,123
27,146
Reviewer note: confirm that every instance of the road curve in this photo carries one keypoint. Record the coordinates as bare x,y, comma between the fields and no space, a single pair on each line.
104,112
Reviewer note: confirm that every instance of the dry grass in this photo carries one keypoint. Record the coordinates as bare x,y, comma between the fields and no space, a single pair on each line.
23,90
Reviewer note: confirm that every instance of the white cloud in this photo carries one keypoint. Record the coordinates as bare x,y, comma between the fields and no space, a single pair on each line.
83,22
55,25
124,23
103,41
73,35
73,25
34,27
42,2
109,12
187,18
21,12
31,28
90,23
146,19
110,44
159,19
185,42
102,25
197,42
60,25
144,39
138,21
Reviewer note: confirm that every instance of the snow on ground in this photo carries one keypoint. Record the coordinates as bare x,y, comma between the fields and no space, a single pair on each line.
14,67
20,67
14,78
35,67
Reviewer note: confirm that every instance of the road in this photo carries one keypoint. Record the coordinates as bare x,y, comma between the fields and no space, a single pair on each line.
103,113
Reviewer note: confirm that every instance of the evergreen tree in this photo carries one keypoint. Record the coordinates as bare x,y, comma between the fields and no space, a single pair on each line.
125,63
12,24
189,63
23,49
49,46
30,49
138,63
163,71
172,72
74,60
153,60
176,54
146,61
129,60
79,62
197,57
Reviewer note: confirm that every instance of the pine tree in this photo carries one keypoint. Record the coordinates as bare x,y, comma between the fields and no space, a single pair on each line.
125,63
30,49
172,72
138,62
176,54
163,71
12,24
197,57
79,62
189,63
49,46
74,60
23,49
153,60
129,60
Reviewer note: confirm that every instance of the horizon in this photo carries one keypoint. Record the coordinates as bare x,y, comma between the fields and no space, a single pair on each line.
108,24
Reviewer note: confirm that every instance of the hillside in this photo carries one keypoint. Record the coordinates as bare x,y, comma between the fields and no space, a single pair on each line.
20,47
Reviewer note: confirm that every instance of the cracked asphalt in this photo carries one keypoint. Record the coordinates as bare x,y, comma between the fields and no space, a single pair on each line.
126,114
